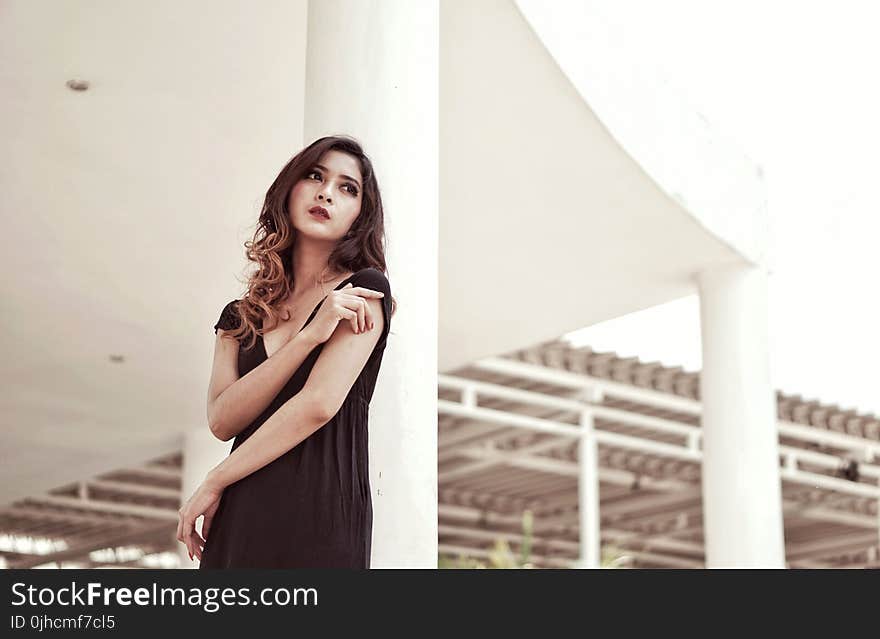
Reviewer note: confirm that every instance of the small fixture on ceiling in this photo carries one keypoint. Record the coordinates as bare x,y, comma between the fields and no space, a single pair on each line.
117,358
78,85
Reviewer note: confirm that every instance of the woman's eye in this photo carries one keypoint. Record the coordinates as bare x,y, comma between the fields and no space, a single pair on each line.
351,187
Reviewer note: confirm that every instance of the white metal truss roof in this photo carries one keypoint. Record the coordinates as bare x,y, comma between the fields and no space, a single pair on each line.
507,442
126,518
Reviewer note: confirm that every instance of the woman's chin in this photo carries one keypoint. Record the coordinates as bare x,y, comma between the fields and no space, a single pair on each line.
315,231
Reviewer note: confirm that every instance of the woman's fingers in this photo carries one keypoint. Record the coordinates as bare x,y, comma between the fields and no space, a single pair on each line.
350,316
365,292
187,535
354,304
197,544
190,535
203,503
180,524
361,306
357,305
365,315
206,526
368,292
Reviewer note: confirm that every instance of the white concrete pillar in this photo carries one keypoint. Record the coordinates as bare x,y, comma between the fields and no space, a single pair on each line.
588,495
742,495
876,557
372,71
201,452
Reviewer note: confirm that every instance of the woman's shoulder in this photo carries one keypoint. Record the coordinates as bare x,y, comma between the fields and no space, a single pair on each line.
371,278
229,317
231,307
375,280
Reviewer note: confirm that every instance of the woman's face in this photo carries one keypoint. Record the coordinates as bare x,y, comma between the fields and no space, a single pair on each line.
335,184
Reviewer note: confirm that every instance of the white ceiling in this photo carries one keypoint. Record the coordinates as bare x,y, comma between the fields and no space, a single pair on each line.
125,209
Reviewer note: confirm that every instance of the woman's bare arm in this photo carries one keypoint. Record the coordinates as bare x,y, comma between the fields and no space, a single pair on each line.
232,406
329,383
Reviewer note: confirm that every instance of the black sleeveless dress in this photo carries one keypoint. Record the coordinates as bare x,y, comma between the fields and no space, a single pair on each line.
311,507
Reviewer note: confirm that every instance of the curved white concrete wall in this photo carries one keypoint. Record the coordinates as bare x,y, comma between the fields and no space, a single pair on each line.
548,223
710,178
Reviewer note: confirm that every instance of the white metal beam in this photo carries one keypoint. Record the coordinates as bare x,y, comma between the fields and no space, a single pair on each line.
164,514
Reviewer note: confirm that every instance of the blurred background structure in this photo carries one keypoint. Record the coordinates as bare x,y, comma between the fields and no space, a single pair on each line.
510,431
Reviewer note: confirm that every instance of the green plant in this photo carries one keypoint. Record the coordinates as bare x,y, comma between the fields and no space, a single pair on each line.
501,556
614,557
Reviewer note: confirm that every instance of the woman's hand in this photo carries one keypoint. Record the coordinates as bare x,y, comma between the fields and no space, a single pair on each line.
204,501
347,303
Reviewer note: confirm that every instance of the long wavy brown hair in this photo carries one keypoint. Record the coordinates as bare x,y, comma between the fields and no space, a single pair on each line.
271,248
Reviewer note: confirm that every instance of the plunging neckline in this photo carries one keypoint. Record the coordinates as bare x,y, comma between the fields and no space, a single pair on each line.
311,316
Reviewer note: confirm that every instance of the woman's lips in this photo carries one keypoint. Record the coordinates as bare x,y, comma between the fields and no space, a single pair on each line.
318,214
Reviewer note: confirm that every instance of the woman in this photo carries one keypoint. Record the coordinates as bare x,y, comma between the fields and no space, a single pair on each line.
295,365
